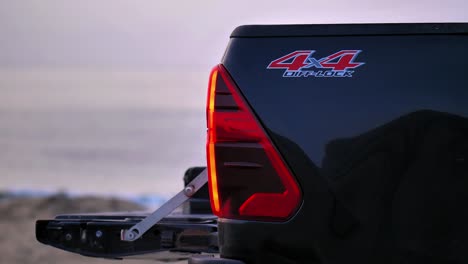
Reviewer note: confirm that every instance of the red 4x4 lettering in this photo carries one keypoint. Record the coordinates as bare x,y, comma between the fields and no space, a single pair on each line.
293,61
341,60
303,60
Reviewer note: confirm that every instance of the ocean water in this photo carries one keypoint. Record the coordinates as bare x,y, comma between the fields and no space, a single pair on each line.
105,151
100,133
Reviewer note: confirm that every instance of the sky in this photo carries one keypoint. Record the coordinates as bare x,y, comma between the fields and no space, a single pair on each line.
149,34
118,70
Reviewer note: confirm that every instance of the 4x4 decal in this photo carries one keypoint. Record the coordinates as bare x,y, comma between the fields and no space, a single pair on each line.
302,63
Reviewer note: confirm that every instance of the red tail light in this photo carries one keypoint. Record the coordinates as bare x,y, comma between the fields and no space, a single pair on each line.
248,179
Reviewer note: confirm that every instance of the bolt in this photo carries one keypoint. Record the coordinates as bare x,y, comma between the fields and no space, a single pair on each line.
99,234
189,190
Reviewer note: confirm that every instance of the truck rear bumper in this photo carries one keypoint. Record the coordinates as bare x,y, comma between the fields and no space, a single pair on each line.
213,260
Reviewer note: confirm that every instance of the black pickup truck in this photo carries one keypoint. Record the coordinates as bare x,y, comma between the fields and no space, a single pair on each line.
326,144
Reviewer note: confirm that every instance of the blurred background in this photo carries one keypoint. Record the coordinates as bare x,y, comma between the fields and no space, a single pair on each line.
107,97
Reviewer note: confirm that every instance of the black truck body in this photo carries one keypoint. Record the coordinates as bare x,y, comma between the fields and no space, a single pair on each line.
361,128
380,155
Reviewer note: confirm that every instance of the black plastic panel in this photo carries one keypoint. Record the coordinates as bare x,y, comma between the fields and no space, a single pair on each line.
100,235
256,31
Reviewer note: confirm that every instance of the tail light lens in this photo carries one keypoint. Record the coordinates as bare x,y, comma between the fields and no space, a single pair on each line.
248,179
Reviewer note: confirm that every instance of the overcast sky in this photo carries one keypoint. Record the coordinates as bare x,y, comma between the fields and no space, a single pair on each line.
90,89
151,34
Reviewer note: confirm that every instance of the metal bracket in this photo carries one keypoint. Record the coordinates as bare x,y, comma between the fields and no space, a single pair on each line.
140,228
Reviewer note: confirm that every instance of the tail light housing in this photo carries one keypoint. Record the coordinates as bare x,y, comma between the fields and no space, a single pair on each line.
248,179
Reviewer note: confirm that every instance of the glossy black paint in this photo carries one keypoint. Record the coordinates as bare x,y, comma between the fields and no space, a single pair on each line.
353,143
